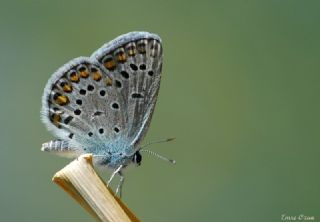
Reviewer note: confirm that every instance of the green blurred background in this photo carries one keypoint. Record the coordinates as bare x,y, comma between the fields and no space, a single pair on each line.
240,92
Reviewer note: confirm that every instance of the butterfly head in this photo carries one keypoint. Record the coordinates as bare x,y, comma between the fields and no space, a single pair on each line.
137,158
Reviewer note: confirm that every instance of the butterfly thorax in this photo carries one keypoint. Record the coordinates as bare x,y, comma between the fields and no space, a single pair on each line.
114,160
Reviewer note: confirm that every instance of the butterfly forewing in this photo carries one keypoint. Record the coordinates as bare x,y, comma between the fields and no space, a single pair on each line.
134,62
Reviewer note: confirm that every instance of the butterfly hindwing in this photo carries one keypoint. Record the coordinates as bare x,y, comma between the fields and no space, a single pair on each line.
80,105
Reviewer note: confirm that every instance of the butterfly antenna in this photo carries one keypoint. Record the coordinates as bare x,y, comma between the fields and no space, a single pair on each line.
158,141
159,156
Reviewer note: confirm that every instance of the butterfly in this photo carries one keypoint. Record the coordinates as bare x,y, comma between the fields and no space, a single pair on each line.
103,104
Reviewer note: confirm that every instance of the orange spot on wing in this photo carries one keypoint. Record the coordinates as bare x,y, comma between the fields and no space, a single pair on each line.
110,64
97,76
131,52
109,82
84,74
67,88
74,77
121,57
62,100
56,119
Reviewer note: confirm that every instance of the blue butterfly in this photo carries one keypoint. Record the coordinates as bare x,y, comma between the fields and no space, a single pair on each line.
103,104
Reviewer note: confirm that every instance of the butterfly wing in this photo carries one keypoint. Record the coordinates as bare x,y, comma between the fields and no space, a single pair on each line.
77,105
134,62
104,103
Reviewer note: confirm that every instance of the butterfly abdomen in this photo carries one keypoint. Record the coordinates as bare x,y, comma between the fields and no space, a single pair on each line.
60,147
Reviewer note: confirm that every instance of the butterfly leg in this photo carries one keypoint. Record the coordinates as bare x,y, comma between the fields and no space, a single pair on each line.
113,174
119,187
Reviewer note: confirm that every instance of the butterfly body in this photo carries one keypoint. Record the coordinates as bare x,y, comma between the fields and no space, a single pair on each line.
103,104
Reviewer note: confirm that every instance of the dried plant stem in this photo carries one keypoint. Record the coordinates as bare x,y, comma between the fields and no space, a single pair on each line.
81,181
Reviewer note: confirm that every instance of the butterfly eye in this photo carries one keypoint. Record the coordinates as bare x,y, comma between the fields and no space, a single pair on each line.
137,158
